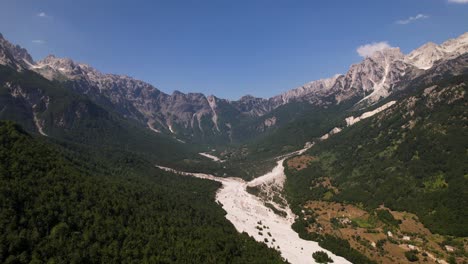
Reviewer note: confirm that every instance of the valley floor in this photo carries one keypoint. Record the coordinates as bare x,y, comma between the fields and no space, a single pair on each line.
248,213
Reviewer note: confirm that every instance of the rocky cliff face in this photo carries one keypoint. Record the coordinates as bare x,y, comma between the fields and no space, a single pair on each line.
133,98
310,92
373,78
377,75
427,55
196,115
14,56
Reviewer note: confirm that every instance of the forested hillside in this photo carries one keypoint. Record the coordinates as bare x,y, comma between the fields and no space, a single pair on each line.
56,207
412,157
37,103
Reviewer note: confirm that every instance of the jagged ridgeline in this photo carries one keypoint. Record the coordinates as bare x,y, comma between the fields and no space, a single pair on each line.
196,118
57,208
51,109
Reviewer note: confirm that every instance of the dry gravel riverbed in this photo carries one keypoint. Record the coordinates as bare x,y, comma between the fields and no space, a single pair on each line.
249,214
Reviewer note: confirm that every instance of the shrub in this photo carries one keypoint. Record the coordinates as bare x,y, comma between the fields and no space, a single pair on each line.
322,257
412,255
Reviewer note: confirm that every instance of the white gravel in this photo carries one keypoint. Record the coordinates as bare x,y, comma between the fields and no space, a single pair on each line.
212,157
245,211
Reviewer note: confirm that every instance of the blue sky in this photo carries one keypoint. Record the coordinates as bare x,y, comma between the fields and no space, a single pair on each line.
226,48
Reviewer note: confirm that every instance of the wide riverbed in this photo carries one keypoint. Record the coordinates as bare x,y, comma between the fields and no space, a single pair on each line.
247,213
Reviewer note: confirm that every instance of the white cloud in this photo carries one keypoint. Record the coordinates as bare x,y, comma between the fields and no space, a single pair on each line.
42,14
412,19
38,41
458,1
369,49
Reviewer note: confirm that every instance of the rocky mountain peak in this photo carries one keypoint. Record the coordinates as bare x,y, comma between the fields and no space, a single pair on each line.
370,80
247,97
300,94
49,57
14,55
387,55
457,45
52,67
57,63
211,98
425,56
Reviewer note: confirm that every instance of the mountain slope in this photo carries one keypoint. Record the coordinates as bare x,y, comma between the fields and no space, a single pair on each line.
197,118
410,157
57,209
308,121
52,110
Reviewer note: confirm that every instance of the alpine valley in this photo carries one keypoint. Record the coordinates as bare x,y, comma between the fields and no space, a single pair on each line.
370,164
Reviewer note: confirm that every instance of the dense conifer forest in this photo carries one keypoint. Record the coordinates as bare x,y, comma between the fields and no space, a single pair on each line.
58,208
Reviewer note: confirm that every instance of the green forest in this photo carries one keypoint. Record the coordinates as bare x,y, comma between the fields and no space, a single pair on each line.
79,182
412,158
64,206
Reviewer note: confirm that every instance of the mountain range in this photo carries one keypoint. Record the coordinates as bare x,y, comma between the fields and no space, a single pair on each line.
198,118
385,154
